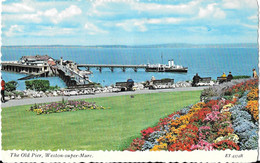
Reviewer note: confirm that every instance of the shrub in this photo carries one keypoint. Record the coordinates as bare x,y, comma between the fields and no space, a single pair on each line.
241,77
18,93
11,86
8,93
37,85
95,85
53,88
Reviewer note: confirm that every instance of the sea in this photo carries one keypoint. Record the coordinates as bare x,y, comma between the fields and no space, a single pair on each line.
207,62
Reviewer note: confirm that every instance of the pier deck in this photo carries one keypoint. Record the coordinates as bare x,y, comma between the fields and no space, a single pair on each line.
112,66
147,67
72,77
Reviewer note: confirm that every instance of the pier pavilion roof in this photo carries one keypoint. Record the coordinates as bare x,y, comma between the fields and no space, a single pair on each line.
36,58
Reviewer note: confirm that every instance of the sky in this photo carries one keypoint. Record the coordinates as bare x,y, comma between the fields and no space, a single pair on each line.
128,22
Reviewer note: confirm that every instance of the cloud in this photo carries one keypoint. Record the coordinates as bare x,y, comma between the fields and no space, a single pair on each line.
17,30
35,17
93,29
94,10
128,7
189,8
51,14
250,26
17,7
199,29
107,8
69,12
14,29
140,24
211,11
52,31
238,4
253,18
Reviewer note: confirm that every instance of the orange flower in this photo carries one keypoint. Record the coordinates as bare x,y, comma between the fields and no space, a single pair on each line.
252,107
253,94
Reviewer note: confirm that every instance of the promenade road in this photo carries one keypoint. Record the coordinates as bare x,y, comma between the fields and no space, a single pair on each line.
28,101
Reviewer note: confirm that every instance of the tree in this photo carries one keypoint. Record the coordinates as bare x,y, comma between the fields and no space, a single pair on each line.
11,86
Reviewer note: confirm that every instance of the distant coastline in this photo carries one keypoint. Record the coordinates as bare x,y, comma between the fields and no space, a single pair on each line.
177,45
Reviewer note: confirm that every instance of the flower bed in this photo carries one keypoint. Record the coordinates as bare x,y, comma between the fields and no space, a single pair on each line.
213,125
57,107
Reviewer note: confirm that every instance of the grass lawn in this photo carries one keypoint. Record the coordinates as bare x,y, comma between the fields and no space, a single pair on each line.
112,129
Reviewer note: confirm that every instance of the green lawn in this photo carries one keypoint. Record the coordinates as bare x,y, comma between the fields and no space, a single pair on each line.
112,129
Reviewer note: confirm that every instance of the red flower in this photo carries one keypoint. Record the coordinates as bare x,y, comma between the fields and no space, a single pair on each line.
211,103
222,145
136,145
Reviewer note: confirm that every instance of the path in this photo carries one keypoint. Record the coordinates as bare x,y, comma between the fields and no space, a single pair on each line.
59,98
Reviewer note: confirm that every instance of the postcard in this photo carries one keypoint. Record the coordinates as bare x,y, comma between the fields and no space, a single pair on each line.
129,80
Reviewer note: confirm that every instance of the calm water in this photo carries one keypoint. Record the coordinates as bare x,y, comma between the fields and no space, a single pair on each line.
208,62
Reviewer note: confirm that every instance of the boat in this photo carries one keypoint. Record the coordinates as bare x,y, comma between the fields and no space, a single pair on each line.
171,67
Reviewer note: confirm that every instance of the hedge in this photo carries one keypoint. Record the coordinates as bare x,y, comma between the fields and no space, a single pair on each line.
37,85
11,86
241,77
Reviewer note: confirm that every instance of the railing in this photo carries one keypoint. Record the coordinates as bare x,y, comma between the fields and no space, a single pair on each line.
80,79
113,65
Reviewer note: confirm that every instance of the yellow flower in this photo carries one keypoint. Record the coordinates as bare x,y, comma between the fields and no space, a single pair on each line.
161,146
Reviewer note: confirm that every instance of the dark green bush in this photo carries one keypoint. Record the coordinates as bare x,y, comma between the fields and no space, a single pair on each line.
241,77
16,93
95,85
167,79
11,86
37,85
8,93
54,88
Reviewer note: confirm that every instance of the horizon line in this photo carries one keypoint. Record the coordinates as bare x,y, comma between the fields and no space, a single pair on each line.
139,44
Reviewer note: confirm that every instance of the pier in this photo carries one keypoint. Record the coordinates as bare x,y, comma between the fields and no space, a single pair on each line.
69,72
22,68
148,67
44,66
71,75
112,67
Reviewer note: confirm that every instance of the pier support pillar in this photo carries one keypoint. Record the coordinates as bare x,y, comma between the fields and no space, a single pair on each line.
123,68
112,69
100,69
135,69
